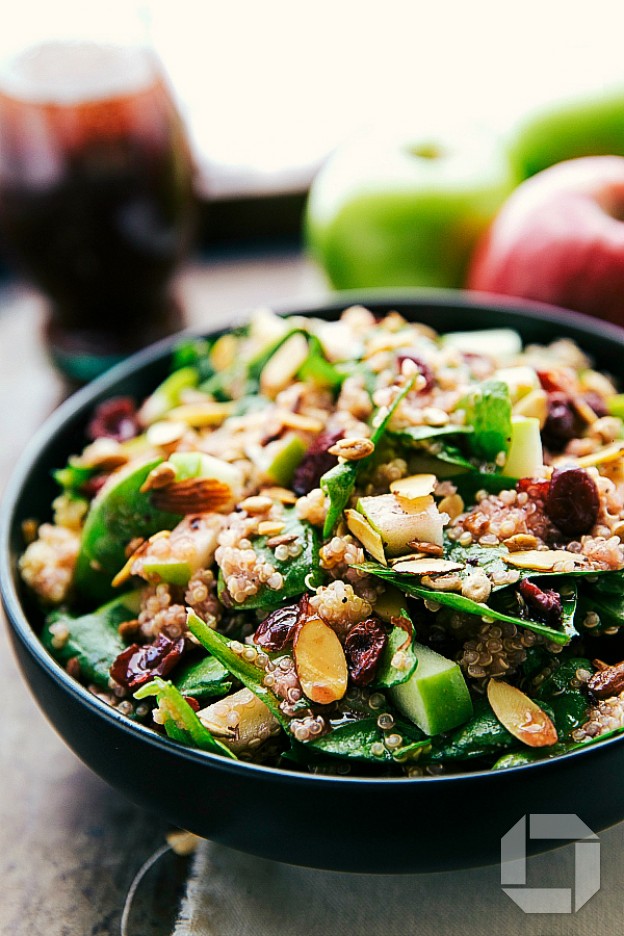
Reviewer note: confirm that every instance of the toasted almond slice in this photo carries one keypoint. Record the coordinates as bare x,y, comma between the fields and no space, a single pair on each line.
428,565
195,495
300,421
414,487
542,560
105,454
280,369
521,541
604,455
271,527
165,433
223,352
584,410
520,715
429,549
352,449
159,477
283,495
320,662
407,558
369,538
197,415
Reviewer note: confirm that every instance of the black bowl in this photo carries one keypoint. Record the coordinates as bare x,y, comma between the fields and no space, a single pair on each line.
340,823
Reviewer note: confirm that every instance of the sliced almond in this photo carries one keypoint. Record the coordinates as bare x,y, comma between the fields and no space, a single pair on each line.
195,495
604,455
223,352
198,415
429,549
408,557
283,495
369,538
300,421
280,369
165,433
414,487
429,565
534,404
352,449
520,715
159,477
521,541
104,454
542,560
320,662
270,527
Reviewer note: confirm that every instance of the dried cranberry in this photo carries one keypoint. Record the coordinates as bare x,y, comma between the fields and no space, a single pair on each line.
363,647
549,381
596,403
316,461
94,484
138,664
192,701
406,354
573,501
545,605
114,419
562,422
278,628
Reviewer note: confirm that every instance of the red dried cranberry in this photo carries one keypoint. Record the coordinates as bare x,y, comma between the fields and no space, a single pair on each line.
406,354
596,403
94,484
192,701
316,461
114,419
138,664
545,605
278,628
549,381
573,501
562,422
363,647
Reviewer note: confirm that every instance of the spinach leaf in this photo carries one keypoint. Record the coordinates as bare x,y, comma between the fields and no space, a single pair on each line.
317,369
339,482
362,740
488,411
605,597
569,703
408,584
72,478
118,514
520,758
203,679
416,435
94,638
194,352
180,721
250,675
299,573
481,736
387,674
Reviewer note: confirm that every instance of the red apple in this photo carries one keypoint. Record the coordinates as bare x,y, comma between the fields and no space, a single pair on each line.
559,238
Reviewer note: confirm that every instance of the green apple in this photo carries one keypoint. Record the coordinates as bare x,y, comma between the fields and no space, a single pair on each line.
406,212
399,522
436,696
585,125
525,458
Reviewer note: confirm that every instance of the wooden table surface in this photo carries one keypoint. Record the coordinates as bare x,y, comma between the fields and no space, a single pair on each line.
71,846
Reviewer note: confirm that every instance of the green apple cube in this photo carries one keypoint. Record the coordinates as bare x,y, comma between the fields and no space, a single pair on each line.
525,458
436,696
500,343
399,521
278,460
174,572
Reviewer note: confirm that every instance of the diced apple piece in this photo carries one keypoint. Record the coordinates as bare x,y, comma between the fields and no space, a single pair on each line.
520,380
320,662
400,522
525,458
436,696
369,538
191,546
241,720
500,343
533,404
277,460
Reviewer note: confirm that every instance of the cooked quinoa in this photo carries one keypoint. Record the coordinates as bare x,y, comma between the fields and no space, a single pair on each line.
313,515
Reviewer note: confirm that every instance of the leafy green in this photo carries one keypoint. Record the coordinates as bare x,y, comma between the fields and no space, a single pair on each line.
194,352
248,673
72,477
180,721
521,758
416,435
118,514
605,597
388,675
569,703
339,482
168,393
299,572
203,679
481,736
317,369
407,583
488,411
94,638
354,740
